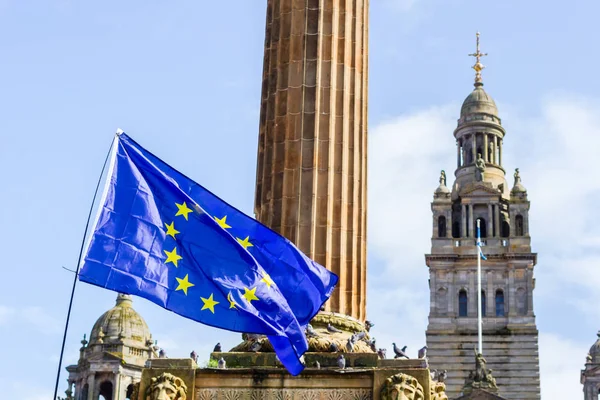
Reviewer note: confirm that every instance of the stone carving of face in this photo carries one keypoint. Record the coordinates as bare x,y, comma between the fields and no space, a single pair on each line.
402,387
166,387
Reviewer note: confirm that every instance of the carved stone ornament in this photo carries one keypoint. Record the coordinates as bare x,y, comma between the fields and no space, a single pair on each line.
283,394
166,387
402,387
438,391
481,377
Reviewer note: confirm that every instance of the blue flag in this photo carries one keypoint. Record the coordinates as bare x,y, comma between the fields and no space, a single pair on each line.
161,236
479,244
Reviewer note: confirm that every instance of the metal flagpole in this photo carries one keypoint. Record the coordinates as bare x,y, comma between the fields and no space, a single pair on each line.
479,311
62,349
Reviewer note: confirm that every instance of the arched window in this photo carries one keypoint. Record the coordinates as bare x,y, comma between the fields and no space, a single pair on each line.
482,227
519,225
483,303
499,303
441,226
106,390
505,229
129,392
456,230
521,301
462,303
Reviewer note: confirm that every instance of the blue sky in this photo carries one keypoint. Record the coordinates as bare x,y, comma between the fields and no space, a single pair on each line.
183,78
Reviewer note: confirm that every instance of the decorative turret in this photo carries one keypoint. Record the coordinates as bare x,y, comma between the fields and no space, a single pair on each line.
590,375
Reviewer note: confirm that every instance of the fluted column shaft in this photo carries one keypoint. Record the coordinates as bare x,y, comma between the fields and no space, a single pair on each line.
312,151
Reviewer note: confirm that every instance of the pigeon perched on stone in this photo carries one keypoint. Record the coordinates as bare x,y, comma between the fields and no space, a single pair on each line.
433,374
251,336
422,352
341,361
360,335
399,352
333,347
222,364
332,329
442,376
317,365
382,353
322,308
162,354
194,356
217,348
350,345
256,346
369,325
372,345
310,331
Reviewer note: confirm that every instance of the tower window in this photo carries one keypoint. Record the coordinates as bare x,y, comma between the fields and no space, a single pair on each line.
455,229
499,303
106,390
441,226
483,303
505,229
519,225
462,303
129,392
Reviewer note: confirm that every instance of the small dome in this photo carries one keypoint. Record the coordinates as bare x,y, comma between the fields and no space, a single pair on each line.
121,324
594,352
479,102
442,189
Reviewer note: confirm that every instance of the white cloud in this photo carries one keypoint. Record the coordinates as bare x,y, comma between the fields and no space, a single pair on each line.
5,314
556,152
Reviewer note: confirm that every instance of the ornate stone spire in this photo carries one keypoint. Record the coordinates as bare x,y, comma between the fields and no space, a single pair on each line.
478,67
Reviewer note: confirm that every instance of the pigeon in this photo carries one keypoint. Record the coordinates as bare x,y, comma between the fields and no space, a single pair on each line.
359,335
350,345
341,361
316,365
332,329
310,331
322,308
442,376
423,352
372,345
222,364
333,347
399,352
217,348
162,354
256,346
194,356
382,353
369,325
433,374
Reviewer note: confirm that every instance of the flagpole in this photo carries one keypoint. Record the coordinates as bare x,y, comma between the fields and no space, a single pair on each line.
479,311
62,349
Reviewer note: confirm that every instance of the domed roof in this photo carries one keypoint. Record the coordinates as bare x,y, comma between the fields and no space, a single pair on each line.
479,102
442,189
121,324
594,352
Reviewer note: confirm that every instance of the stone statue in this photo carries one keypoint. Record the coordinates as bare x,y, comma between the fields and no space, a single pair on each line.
166,387
480,367
443,178
481,377
517,176
480,165
402,387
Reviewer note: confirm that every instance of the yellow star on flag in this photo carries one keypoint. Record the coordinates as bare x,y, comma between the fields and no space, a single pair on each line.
222,222
267,280
184,284
250,294
183,209
231,302
171,231
172,256
209,304
246,243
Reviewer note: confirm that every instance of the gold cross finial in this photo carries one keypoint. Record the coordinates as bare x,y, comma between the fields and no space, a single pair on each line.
478,67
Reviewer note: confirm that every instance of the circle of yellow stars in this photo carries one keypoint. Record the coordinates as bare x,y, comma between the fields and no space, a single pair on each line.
184,284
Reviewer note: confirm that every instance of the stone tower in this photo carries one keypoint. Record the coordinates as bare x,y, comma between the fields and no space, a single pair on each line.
481,192
312,149
590,375
111,363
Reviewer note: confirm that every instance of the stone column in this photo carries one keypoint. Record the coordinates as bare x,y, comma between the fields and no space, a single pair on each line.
497,220
490,222
529,272
312,148
500,152
472,296
474,147
458,153
509,292
433,293
463,215
91,386
117,387
471,222
485,147
490,302
451,297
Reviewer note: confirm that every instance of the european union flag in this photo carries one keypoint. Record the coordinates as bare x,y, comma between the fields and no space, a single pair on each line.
161,236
